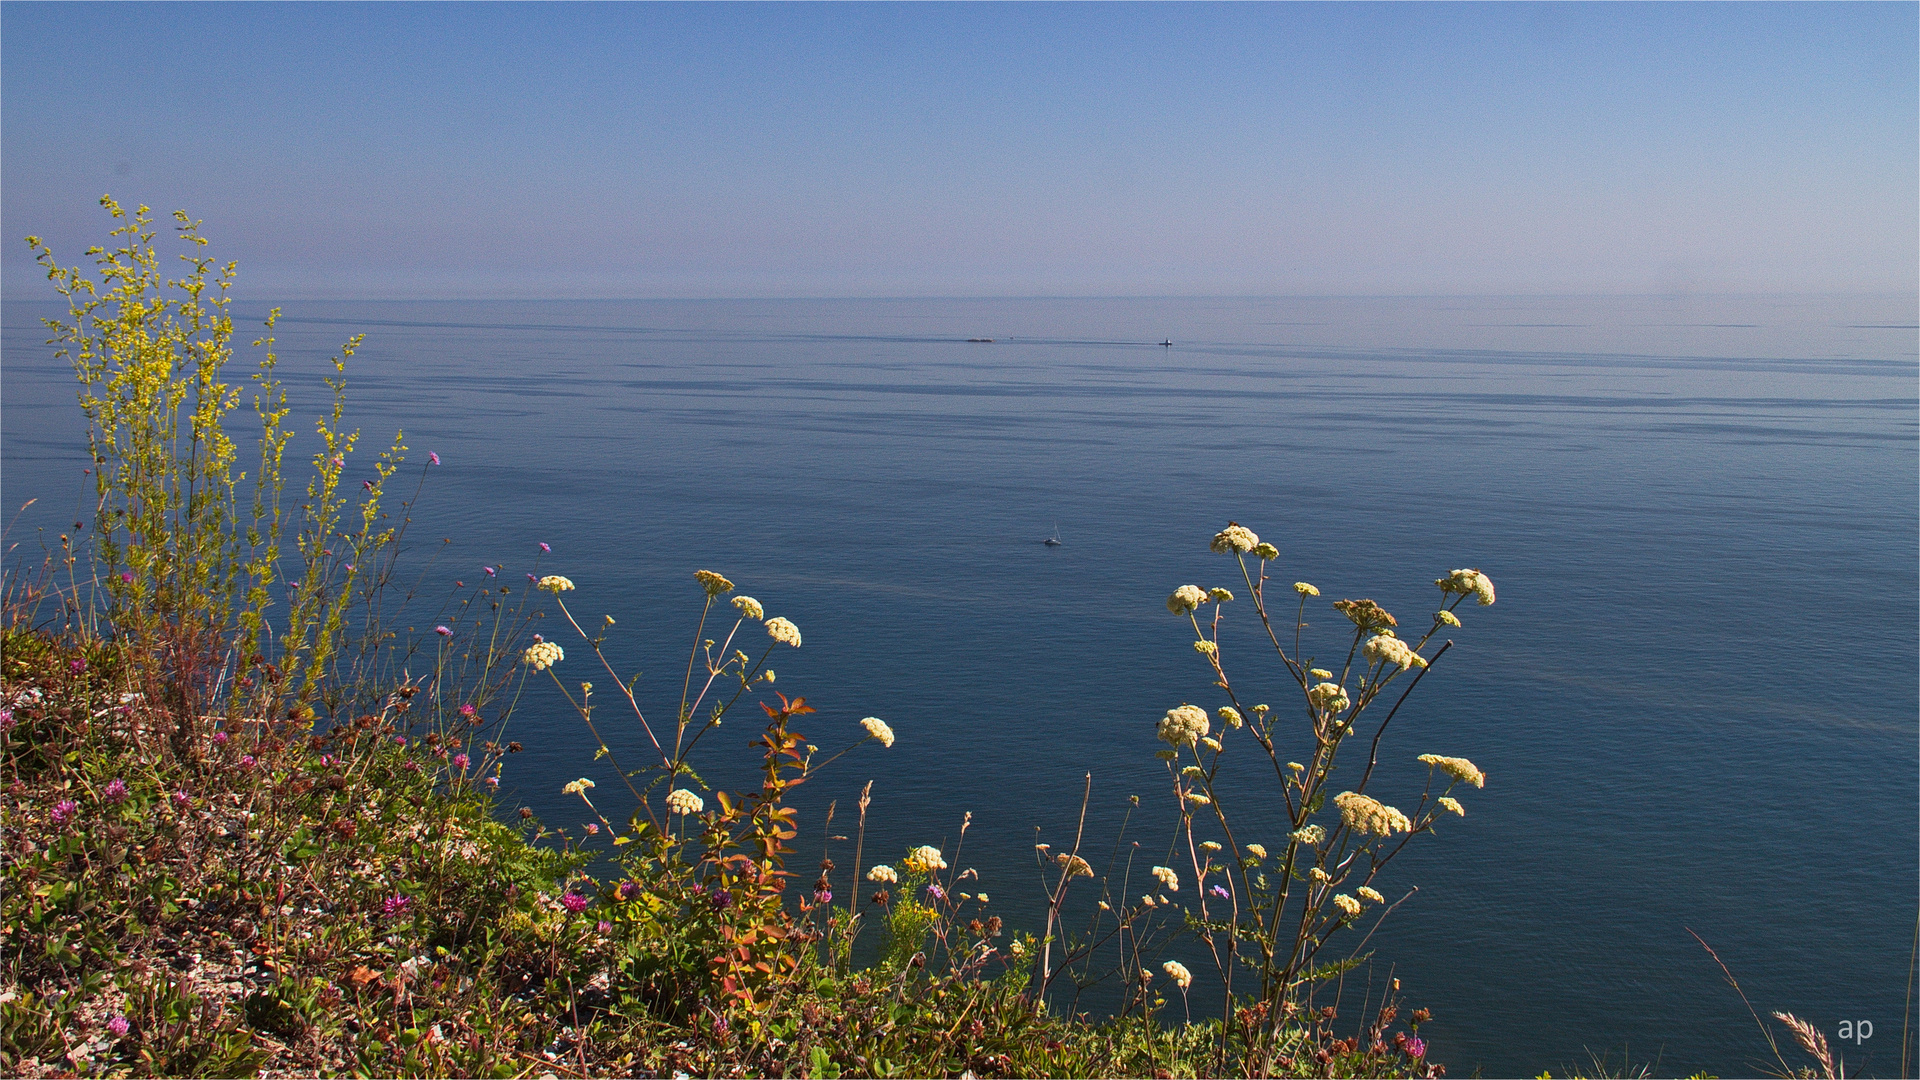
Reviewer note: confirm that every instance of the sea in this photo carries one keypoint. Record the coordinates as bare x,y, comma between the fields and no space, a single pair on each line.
1696,701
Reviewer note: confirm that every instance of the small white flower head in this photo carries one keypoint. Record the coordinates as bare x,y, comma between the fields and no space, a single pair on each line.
749,607
1368,892
1319,875
1209,845
1305,589
1387,649
1457,767
1219,595
1365,814
1452,805
1169,880
1320,673
981,897
878,729
684,802
1235,539
1178,972
712,582
1296,766
1210,743
1148,900
577,787
1266,551
1186,598
783,631
1229,716
1197,799
1348,905
1258,851
883,873
1017,948
1183,726
1206,648
1447,617
1329,697
924,860
1468,581
1311,835
1193,772
1075,865
554,583
767,675
542,655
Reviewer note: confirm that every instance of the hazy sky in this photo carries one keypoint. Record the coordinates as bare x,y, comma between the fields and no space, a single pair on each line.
448,150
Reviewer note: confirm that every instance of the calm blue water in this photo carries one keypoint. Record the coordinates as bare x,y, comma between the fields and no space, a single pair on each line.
1696,699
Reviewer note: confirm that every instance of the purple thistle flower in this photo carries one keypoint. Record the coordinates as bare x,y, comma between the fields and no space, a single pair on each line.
823,896
460,762
936,892
488,569
1416,1048
433,458
443,631
544,547
63,810
115,790
394,905
220,738
126,576
117,1026
574,902
604,927
720,898
246,761
469,711
629,890
400,740
1220,891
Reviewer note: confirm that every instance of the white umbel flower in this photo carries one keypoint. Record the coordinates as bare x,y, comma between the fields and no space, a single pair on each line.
878,729
924,859
1235,539
783,631
577,787
542,655
554,583
883,873
1385,648
1178,972
749,607
684,802
1457,767
1186,598
1365,814
1329,696
1183,726
1467,582
1169,880
1348,905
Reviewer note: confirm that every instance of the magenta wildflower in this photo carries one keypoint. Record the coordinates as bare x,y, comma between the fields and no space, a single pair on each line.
410,765
443,631
220,738
592,829
246,761
574,902
77,665
935,892
469,711
823,896
544,547
117,1026
720,898
629,890
63,810
115,790
1220,891
460,762
493,781
181,798
126,576
400,740
1416,1048
394,905
433,458
368,484
6,719
530,577
604,927
488,569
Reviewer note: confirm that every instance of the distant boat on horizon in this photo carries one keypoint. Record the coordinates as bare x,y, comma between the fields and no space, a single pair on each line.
1054,540
979,341
1167,344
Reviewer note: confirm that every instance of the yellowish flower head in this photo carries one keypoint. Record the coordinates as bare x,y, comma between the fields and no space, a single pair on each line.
1197,799
1320,673
1219,596
1193,772
749,607
1319,875
783,631
1075,865
1447,617
577,787
1387,649
1329,697
1235,539
1169,880
1452,805
1165,755
1266,551
1229,715
1186,598
878,729
1206,648
1178,972
1305,589
924,860
1467,582
883,873
1210,743
712,582
542,655
1209,845
1310,835
1368,892
1183,726
1365,814
1348,905
1457,767
554,583
1259,851
684,802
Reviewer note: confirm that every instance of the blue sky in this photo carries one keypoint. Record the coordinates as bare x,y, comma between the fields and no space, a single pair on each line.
451,150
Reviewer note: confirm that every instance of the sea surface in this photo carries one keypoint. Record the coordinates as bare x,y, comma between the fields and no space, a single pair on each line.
1696,700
